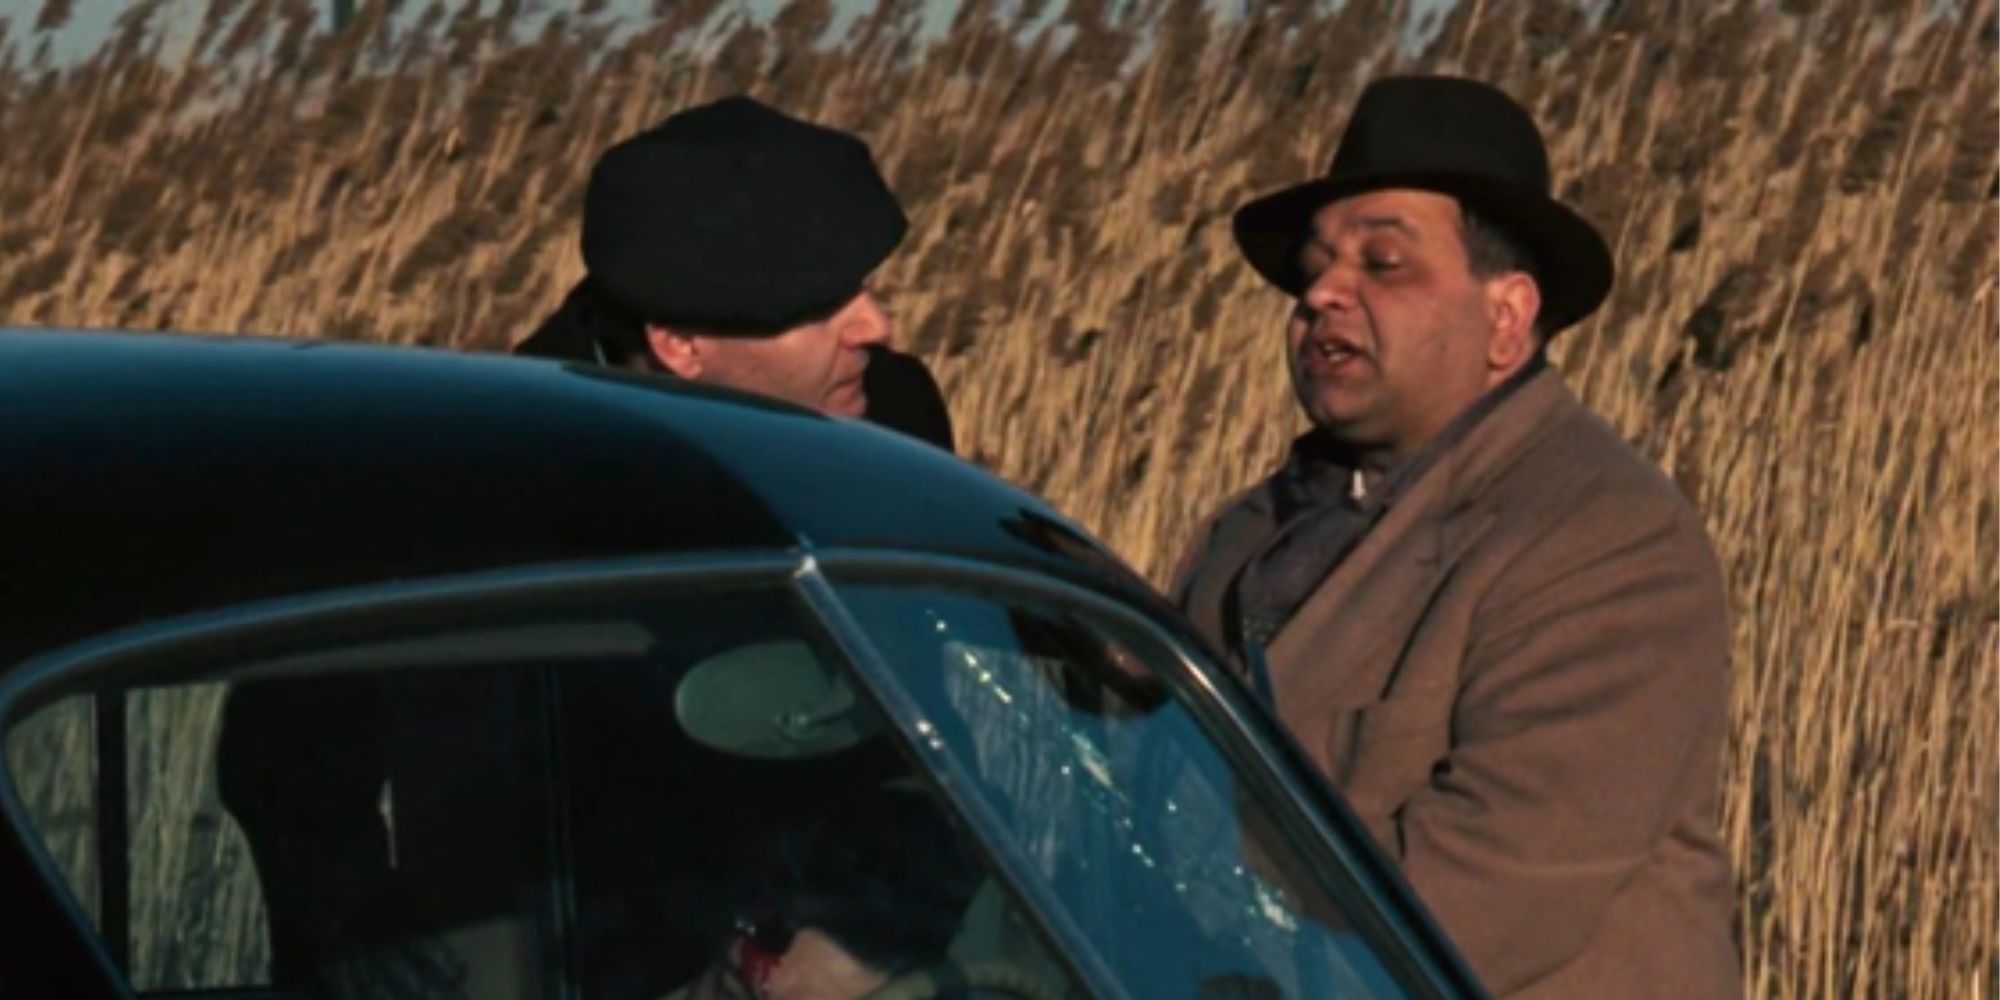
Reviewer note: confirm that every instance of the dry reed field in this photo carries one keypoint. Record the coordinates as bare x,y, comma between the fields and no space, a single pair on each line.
1802,198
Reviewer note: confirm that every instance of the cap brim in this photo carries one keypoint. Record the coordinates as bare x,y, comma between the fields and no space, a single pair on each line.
1576,264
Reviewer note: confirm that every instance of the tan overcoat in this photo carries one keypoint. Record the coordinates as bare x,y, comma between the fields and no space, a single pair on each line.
1519,680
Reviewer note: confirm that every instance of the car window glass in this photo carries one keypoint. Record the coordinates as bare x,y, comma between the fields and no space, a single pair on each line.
55,779
1171,870
594,799
192,883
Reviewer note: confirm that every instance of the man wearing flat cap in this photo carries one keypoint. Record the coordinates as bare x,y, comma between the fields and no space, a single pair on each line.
731,245
1497,628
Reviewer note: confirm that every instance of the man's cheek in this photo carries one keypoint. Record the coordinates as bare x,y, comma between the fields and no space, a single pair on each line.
1295,334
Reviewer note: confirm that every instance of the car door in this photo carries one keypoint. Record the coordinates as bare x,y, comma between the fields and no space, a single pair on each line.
633,779
493,787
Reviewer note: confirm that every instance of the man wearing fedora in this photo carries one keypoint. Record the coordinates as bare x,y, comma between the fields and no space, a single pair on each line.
731,245
1497,628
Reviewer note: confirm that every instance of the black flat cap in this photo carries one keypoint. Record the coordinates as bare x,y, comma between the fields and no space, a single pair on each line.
734,218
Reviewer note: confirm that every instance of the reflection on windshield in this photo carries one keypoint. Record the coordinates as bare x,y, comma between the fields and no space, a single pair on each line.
1114,798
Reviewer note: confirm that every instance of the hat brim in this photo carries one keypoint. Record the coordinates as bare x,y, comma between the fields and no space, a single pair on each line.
774,700
1575,262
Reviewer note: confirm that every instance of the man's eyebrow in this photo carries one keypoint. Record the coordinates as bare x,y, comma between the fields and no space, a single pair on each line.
1324,242
1376,223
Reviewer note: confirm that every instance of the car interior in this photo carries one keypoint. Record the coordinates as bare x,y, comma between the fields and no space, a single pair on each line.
442,814
668,799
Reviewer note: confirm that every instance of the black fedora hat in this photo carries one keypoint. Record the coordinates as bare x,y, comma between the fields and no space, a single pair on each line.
735,218
1453,136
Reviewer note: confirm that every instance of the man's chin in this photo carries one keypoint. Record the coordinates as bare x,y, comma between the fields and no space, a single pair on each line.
846,403
1343,421
1330,409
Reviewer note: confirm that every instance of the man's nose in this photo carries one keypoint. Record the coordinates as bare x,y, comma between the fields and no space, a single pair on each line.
1331,289
869,323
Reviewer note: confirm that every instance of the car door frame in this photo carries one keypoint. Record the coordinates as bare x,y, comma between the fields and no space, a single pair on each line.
1311,815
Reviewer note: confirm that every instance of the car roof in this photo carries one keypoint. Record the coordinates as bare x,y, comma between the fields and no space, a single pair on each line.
150,476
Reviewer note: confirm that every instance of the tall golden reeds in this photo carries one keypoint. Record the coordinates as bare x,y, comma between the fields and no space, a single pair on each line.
1801,196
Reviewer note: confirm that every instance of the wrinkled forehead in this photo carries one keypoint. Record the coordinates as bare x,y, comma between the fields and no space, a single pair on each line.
1419,215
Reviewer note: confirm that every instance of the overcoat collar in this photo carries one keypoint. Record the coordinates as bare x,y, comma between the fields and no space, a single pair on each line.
1398,565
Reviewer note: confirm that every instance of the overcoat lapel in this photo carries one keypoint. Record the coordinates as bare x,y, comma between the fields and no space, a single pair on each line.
1342,649
1242,529
1342,640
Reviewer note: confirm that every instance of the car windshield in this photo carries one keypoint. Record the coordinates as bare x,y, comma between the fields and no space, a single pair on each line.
1119,806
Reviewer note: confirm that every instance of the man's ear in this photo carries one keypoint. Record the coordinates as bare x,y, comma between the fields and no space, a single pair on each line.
1513,303
674,351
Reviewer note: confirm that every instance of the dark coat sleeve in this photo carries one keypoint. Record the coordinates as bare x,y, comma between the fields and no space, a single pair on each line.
903,396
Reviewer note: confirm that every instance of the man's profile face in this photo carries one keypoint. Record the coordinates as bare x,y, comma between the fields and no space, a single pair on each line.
817,365
1389,339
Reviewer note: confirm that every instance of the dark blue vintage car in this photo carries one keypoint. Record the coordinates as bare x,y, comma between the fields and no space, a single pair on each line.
335,671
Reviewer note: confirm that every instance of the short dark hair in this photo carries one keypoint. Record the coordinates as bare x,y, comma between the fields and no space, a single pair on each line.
1490,251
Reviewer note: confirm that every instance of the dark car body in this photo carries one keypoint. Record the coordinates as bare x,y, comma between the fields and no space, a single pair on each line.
231,513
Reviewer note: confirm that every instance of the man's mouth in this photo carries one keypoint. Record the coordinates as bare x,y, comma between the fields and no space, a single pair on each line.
848,396
1328,356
